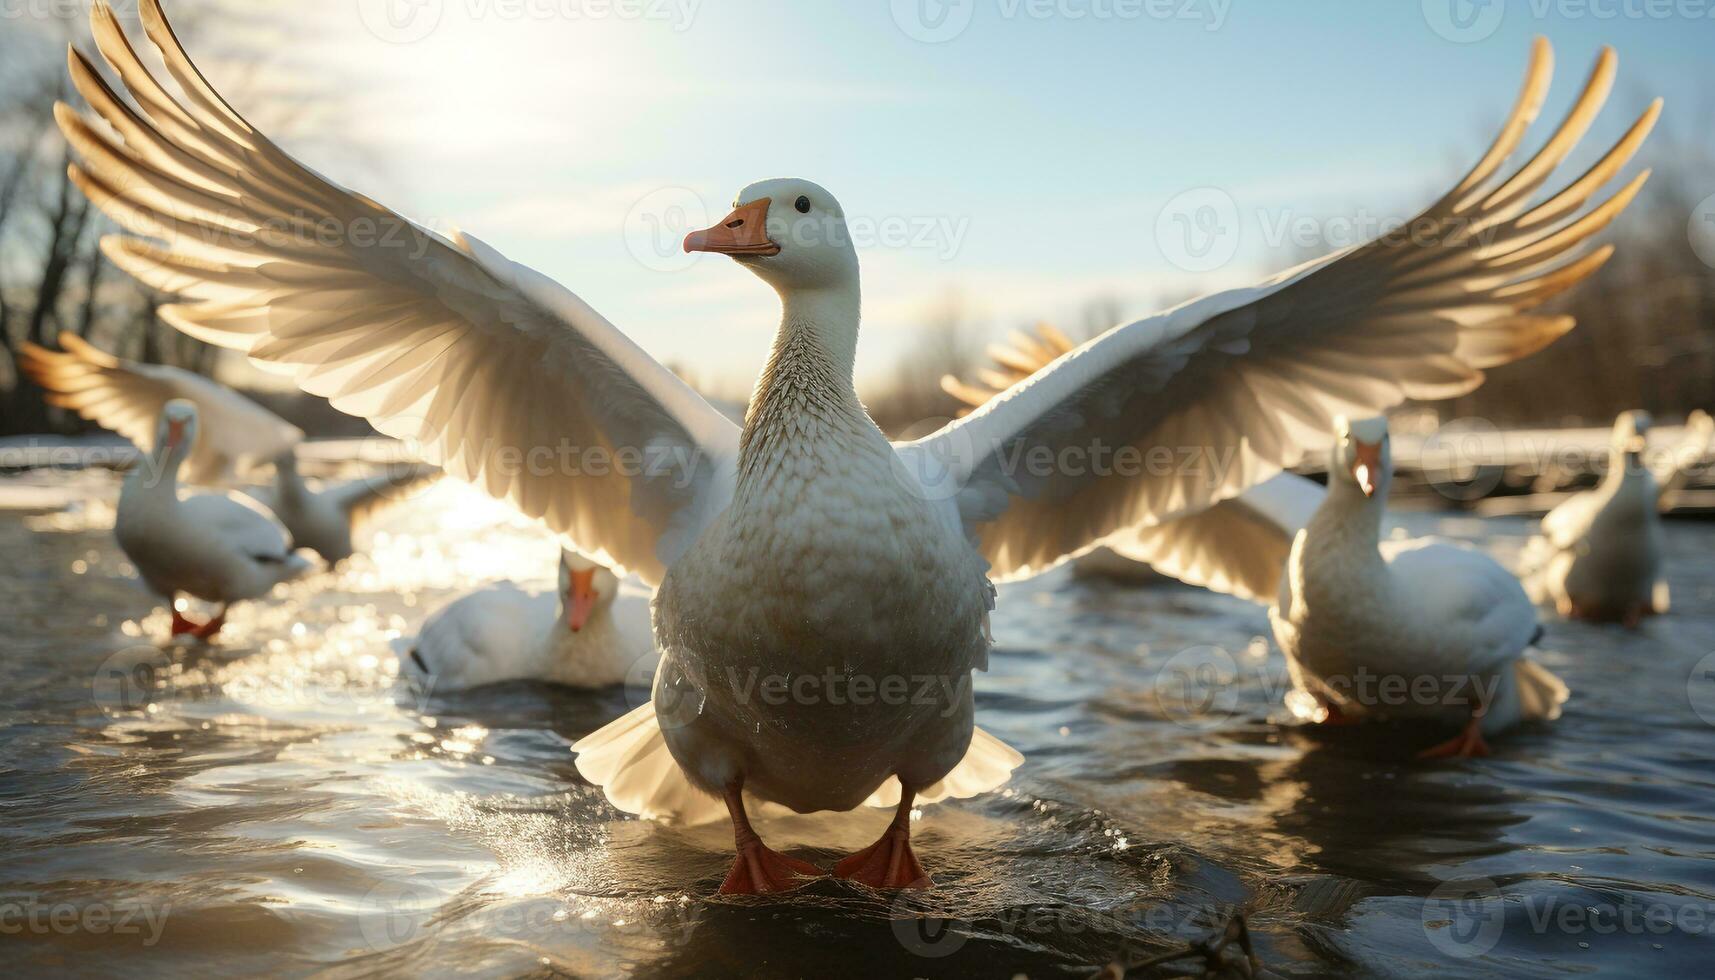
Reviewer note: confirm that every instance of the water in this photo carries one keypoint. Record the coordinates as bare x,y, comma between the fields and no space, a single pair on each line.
280,802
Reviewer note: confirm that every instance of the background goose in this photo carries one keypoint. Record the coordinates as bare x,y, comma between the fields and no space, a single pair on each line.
127,397
590,633
326,520
236,433
1242,546
218,547
1599,555
1443,626
804,544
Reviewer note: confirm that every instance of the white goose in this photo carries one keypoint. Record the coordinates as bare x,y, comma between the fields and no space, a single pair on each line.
218,547
591,633
127,397
804,545
237,433
1600,552
1338,585
327,520
1419,628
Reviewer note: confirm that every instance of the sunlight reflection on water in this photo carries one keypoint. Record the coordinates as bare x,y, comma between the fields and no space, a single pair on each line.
294,807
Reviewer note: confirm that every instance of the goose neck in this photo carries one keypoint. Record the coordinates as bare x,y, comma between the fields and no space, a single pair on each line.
1348,521
809,371
828,316
157,472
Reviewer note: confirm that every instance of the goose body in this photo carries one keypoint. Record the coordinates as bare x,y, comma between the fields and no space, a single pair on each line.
234,434
1599,555
805,575
592,632
803,544
218,547
1420,628
326,520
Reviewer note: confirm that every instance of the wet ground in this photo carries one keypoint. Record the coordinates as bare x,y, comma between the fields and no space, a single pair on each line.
281,803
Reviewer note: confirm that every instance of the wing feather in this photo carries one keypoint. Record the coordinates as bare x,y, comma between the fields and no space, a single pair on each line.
1251,378
127,397
479,363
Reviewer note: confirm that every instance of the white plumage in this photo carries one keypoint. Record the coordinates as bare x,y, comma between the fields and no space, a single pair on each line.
327,520
807,546
219,547
592,632
1600,552
127,397
1402,628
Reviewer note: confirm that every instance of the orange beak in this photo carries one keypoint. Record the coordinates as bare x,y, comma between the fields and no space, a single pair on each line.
175,433
743,232
581,599
1367,468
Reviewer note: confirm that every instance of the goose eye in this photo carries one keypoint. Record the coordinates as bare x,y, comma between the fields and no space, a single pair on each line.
802,204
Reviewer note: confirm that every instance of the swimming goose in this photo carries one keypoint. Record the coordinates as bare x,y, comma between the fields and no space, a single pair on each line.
823,595
126,397
218,547
1600,552
587,634
1420,628
237,434
326,520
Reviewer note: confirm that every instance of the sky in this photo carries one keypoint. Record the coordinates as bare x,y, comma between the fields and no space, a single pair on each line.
1019,157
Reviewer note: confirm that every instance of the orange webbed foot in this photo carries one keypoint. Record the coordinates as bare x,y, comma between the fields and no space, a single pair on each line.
1467,744
888,863
761,870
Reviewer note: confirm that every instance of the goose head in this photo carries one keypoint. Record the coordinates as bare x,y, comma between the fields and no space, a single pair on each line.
1631,437
176,431
586,588
790,232
1362,455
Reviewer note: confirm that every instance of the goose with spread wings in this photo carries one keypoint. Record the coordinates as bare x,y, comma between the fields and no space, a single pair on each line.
235,434
127,397
823,594
1344,604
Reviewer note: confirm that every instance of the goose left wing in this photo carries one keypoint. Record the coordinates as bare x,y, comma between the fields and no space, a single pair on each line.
1168,415
483,366
363,499
127,397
